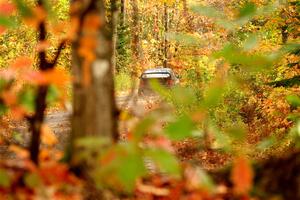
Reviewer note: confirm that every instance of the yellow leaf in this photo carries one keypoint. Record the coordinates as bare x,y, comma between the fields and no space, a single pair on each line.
48,136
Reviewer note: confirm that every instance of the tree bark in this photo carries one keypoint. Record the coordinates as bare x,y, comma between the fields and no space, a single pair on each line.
122,13
166,27
114,28
135,31
36,121
94,108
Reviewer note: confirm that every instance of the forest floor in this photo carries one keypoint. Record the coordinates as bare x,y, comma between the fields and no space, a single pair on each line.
59,122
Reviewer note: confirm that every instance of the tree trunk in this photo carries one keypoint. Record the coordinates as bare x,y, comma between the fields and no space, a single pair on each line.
135,32
94,109
114,27
123,13
284,34
166,24
36,121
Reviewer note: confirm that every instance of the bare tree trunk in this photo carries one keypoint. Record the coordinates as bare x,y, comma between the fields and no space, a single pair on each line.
284,34
114,27
37,119
135,31
94,109
123,13
166,26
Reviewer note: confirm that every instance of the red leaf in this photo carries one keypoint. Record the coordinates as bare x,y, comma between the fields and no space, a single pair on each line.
242,175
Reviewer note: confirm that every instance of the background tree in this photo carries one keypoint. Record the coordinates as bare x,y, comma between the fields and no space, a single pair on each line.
94,109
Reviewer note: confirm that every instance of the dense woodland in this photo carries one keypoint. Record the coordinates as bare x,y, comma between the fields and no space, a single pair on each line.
74,127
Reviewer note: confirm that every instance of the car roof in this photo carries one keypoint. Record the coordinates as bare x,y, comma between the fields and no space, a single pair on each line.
158,70
155,75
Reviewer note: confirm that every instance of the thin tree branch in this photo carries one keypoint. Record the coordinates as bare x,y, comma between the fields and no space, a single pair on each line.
59,50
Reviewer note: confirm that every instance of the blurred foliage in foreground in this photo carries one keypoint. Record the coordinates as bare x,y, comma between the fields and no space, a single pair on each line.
232,100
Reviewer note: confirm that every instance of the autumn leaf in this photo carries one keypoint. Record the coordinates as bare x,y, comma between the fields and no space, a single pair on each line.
7,74
2,29
57,76
34,77
18,112
21,62
7,8
242,175
48,136
19,151
9,97
38,15
72,31
92,22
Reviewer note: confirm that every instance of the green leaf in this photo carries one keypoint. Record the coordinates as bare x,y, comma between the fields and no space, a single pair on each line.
222,141
205,180
293,100
213,96
32,180
52,95
235,55
27,99
266,143
183,96
7,22
165,161
2,84
23,8
122,165
237,133
208,11
129,165
294,117
185,39
142,127
17,136
92,143
250,43
4,178
182,128
247,10
3,109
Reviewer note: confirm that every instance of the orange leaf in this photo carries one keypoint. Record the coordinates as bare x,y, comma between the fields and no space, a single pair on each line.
7,8
7,74
92,22
39,15
44,155
20,152
34,77
2,29
242,175
48,136
57,76
18,112
9,97
74,26
22,62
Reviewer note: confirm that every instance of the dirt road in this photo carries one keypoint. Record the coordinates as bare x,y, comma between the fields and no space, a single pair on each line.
58,121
